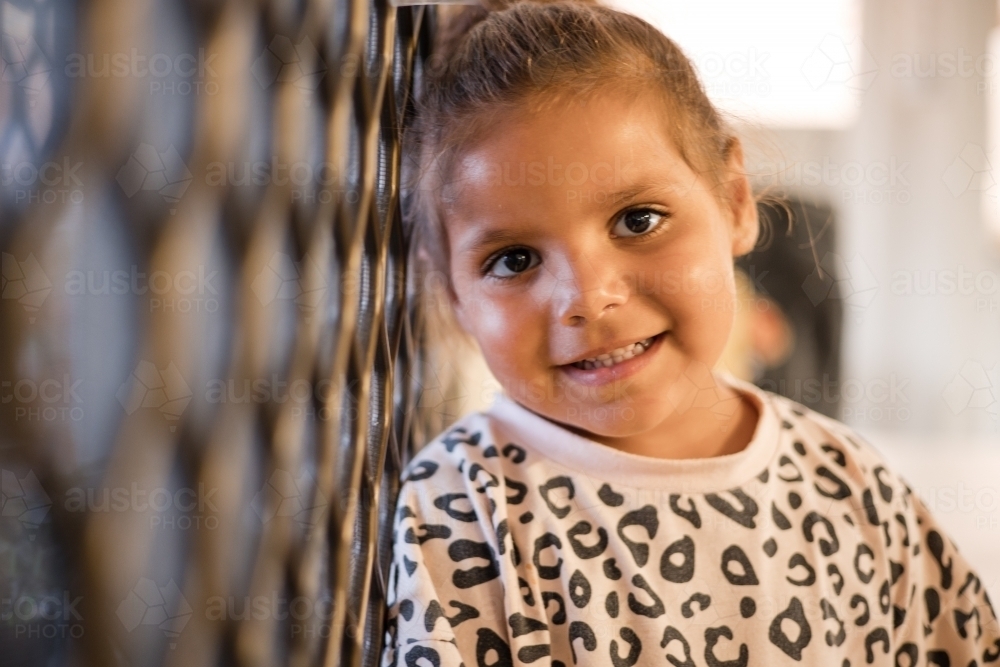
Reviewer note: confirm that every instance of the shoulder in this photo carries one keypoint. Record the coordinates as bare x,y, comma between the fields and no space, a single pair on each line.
831,458
926,567
473,443
447,450
818,428
471,465
852,479
835,446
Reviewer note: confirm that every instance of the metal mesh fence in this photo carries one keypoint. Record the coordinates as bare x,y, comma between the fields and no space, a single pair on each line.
208,353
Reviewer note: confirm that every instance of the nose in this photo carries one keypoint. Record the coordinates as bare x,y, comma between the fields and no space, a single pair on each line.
587,290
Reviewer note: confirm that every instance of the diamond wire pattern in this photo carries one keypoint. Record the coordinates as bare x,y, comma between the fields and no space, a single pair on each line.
255,434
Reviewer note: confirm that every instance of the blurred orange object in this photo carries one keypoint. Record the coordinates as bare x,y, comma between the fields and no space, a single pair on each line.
761,337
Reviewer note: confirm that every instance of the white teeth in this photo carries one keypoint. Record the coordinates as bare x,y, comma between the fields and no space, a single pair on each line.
615,356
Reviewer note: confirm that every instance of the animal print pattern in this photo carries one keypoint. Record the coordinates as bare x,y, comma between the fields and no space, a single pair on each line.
504,555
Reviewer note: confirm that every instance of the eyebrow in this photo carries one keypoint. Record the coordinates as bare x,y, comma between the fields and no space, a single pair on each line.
491,237
628,194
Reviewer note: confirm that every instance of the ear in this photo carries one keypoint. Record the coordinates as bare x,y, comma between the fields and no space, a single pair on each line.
742,205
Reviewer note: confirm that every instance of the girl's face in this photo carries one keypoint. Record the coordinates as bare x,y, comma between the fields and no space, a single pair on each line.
593,266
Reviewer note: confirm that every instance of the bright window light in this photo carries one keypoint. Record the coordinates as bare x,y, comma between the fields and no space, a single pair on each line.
780,63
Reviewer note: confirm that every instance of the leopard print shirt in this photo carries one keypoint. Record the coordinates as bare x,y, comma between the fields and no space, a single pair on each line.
518,542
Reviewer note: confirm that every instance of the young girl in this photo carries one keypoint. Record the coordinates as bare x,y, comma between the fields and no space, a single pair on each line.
621,504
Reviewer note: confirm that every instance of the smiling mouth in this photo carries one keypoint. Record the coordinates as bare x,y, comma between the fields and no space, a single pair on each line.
615,356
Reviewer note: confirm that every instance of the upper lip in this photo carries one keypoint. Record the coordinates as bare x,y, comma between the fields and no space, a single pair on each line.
606,349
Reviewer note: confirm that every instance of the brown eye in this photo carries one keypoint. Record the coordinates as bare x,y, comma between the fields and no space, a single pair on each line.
513,262
637,222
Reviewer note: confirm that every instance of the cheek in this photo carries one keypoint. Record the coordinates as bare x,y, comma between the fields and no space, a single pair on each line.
714,290
703,304
508,331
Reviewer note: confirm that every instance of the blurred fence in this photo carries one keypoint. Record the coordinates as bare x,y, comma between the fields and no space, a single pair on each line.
208,354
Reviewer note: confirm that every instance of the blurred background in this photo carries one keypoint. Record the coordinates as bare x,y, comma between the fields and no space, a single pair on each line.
173,290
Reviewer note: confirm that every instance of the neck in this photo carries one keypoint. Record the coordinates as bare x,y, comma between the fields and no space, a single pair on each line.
694,431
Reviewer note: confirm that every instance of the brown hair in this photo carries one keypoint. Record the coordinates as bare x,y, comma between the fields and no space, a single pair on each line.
507,58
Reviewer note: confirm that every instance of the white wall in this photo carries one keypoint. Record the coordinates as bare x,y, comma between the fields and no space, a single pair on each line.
942,349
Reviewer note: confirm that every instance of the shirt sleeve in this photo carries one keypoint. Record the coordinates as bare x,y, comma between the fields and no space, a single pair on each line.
942,613
445,597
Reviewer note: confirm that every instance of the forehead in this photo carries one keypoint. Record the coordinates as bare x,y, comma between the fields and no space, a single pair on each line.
589,149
